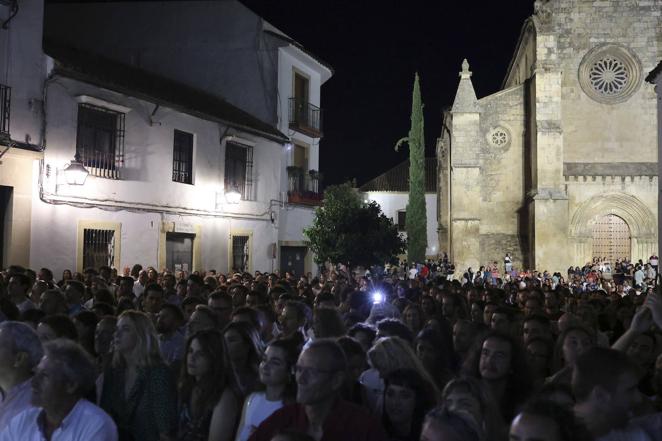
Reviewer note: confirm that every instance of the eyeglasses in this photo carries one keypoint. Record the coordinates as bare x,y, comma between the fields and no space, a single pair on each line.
311,372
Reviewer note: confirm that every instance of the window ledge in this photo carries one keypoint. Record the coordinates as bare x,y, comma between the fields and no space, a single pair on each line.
86,99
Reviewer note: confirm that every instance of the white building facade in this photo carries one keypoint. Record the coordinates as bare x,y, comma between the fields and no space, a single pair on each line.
391,191
228,51
164,154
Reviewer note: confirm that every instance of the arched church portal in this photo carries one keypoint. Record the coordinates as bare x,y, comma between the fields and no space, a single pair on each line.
611,238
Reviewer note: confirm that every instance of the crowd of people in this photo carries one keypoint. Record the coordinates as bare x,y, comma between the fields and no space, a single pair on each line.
394,353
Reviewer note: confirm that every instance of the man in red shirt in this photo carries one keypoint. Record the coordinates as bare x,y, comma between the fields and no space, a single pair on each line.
319,410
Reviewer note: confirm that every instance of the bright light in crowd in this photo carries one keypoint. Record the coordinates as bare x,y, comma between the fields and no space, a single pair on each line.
377,297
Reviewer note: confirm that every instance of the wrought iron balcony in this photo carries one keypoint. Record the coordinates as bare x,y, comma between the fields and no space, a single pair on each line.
303,188
101,164
5,108
305,118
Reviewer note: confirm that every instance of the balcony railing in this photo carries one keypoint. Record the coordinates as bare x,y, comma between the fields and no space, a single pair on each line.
305,118
101,164
5,107
303,188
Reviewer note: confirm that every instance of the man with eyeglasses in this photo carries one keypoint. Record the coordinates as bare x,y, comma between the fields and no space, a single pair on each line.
319,410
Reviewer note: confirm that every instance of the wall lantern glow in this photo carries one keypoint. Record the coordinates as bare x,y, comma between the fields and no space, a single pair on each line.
75,173
233,196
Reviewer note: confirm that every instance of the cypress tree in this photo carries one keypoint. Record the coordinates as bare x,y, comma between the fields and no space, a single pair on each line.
416,222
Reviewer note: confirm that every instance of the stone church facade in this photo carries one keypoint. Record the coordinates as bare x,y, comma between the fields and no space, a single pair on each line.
560,166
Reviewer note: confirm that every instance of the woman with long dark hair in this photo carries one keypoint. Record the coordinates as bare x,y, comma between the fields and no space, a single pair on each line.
202,383
277,378
407,398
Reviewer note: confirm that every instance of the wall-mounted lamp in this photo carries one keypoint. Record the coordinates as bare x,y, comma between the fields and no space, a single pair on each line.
75,173
233,196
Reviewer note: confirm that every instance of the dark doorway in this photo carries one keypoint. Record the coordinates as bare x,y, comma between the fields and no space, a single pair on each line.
179,251
293,259
240,253
5,223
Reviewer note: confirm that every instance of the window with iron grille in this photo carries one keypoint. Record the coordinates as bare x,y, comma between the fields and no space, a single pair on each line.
239,169
182,157
100,140
5,107
402,220
98,248
240,253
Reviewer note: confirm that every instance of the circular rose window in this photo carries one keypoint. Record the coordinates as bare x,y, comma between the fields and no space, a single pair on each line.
610,74
498,137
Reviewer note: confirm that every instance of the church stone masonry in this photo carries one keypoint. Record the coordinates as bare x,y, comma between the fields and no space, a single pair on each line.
559,166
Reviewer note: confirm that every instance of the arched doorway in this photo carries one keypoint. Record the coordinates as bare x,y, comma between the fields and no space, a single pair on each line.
611,238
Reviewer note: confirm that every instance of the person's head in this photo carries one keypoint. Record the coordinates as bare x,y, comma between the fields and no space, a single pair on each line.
407,398
65,374
434,351
536,325
571,343
53,302
86,322
57,326
247,314
203,317
292,318
74,291
204,366
277,365
533,305
470,395
103,335
135,340
464,333
221,303
194,286
20,351
356,358
153,298
539,353
320,372
642,350
413,317
170,319
243,346
125,287
501,320
364,334
443,424
606,380
390,327
327,323
488,311
545,420
18,287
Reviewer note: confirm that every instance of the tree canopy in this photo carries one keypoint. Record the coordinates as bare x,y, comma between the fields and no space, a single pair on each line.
347,230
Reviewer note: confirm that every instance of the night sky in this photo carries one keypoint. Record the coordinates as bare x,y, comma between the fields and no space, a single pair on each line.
375,47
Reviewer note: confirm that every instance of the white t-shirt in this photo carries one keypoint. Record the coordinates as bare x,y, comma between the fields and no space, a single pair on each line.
256,409
85,422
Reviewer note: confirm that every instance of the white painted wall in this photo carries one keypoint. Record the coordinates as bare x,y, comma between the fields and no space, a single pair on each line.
23,68
148,180
392,202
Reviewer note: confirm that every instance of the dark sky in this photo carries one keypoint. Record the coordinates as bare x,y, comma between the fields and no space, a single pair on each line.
375,47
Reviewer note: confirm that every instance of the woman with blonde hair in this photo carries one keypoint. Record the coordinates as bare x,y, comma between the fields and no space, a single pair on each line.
138,390
387,355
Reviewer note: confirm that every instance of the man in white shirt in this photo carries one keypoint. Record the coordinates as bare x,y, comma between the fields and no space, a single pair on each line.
64,375
20,352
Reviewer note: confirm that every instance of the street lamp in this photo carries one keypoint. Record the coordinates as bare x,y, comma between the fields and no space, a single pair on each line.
75,173
233,196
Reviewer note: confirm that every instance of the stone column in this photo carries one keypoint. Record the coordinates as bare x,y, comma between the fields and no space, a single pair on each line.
655,77
465,192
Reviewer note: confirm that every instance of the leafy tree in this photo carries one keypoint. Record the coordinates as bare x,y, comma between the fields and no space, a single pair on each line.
346,230
416,221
